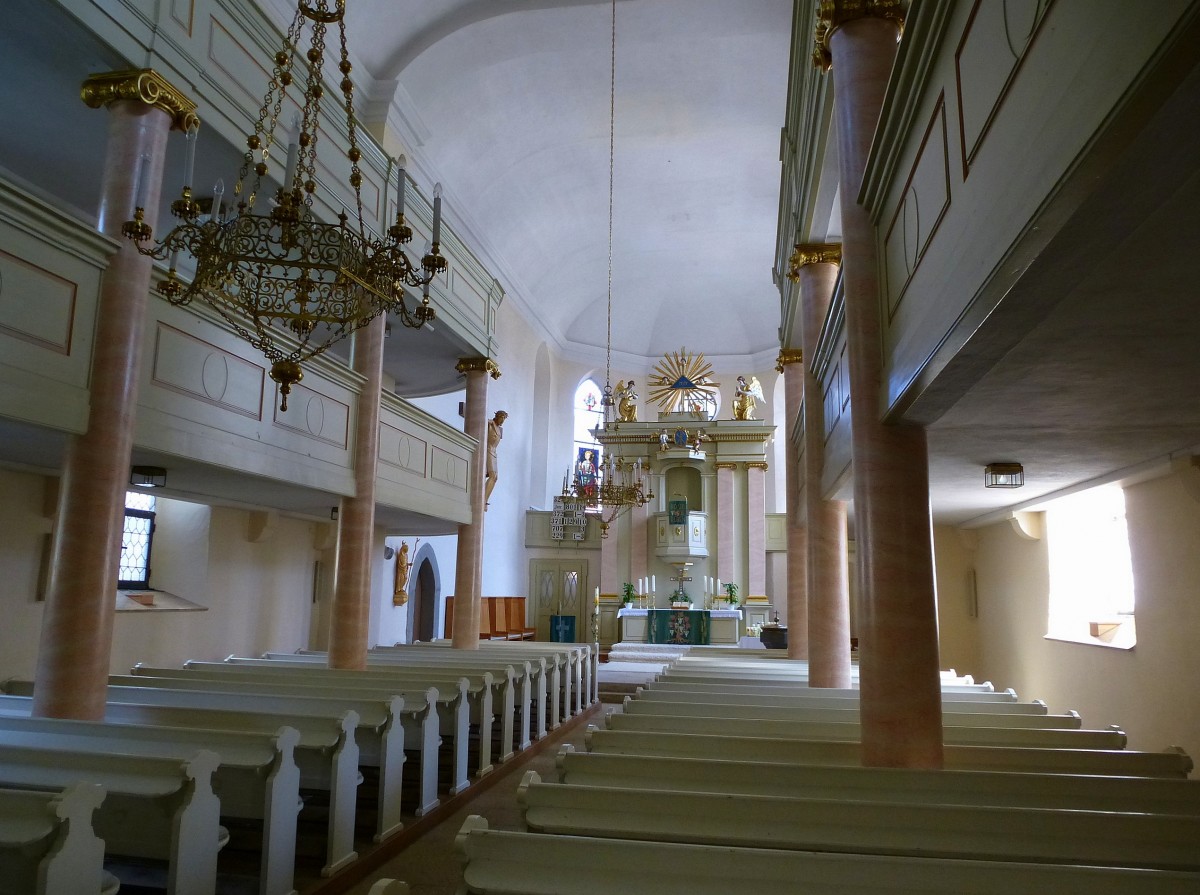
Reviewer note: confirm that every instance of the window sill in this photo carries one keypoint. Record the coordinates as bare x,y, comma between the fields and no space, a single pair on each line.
154,601
1112,634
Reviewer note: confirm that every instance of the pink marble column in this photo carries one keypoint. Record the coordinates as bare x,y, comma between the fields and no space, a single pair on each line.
348,631
467,578
756,529
828,587
901,696
726,523
76,636
797,536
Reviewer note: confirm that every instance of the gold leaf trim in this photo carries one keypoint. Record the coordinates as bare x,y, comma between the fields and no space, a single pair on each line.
806,253
141,85
788,356
478,365
832,14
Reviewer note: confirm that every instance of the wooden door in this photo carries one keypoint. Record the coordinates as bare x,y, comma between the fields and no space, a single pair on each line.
559,587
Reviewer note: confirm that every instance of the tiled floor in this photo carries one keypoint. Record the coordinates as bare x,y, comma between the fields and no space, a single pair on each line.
429,865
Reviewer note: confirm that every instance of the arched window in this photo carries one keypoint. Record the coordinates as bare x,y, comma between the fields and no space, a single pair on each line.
588,415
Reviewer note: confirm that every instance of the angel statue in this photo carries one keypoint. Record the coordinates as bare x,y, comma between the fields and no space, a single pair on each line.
746,398
627,399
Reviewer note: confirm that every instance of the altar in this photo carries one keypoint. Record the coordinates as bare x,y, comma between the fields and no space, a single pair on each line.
683,626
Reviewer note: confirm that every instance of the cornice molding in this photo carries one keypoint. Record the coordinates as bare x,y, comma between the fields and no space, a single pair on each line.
140,85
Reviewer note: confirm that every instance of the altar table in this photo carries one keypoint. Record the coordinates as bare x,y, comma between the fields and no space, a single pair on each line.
691,626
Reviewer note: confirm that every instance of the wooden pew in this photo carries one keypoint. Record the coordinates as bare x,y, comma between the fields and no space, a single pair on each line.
803,697
158,808
1035,738
1121,839
484,691
952,787
814,711
518,625
786,688
326,753
257,776
491,688
500,862
411,720
767,674
47,844
1172,763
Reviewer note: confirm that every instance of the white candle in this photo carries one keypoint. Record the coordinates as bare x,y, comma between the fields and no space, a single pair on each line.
401,183
218,195
189,157
141,182
718,590
437,212
652,590
293,160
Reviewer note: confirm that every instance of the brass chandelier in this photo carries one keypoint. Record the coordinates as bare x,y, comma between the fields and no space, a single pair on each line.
618,484
289,284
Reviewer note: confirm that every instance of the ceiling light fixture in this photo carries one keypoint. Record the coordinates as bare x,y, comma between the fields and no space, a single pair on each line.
148,476
289,284
1003,475
621,483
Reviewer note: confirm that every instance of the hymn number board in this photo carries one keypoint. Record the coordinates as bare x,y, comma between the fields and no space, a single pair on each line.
568,516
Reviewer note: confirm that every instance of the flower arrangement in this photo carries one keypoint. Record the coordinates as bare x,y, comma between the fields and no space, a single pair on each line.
627,593
731,590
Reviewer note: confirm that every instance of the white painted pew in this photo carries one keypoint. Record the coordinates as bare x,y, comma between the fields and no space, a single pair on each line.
416,711
802,696
768,675
1164,842
257,776
159,808
499,862
579,685
1172,763
852,731
783,688
388,887
952,787
47,844
507,677
484,690
814,711
326,753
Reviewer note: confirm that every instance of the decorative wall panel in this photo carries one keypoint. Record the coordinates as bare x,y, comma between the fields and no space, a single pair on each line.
196,368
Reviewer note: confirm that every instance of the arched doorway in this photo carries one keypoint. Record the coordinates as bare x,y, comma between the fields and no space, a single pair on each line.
424,598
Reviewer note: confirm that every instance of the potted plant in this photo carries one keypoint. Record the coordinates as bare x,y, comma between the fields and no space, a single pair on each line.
627,594
731,590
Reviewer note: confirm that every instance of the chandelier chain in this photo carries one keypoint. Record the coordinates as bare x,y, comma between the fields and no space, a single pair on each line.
612,131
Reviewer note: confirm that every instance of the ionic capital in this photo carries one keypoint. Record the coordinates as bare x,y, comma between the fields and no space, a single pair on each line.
725,465
788,356
757,464
806,253
832,14
141,85
478,365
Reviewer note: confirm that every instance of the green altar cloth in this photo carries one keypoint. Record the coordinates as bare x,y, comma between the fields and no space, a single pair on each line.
689,626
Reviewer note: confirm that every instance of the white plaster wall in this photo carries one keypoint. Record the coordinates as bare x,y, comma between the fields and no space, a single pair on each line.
1150,690
23,528
958,632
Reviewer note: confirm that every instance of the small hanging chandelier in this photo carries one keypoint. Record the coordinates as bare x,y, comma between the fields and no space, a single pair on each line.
621,483
289,284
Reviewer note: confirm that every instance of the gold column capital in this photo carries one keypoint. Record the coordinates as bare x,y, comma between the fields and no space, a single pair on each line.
478,365
788,356
832,14
758,464
142,85
724,465
806,253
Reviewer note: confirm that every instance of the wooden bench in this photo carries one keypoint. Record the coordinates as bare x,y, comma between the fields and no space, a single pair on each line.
769,675
158,808
516,684
500,618
1172,763
500,862
842,712
802,696
784,688
483,690
411,721
326,753
846,731
952,787
975,832
257,776
47,844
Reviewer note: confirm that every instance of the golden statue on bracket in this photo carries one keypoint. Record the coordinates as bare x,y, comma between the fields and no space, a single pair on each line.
627,401
746,397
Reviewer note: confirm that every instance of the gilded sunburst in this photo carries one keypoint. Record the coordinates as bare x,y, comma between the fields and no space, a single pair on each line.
683,381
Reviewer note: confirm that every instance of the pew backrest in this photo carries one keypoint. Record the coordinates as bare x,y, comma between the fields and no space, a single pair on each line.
47,843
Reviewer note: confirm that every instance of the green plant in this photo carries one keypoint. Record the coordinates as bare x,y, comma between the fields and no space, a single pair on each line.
731,592
627,593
